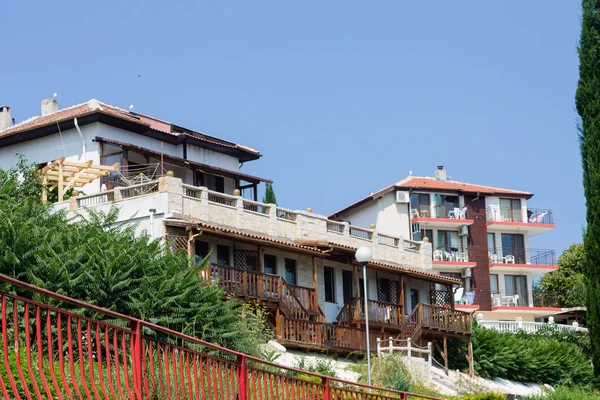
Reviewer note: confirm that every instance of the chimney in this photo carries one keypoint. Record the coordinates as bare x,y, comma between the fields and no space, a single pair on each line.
5,120
50,105
440,174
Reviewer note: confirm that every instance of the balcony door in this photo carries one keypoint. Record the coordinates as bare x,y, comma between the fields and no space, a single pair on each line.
420,204
510,210
516,285
448,241
514,245
347,283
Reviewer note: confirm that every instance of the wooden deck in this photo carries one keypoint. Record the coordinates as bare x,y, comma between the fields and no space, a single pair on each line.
299,321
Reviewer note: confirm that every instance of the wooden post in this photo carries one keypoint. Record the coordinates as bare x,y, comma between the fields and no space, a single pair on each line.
259,258
356,289
315,300
60,181
451,293
44,188
471,366
403,310
445,355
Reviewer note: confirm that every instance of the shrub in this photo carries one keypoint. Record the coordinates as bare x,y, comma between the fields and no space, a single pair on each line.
527,358
565,393
320,365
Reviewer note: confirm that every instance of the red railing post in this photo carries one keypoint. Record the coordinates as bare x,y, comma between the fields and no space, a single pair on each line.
242,378
326,388
136,358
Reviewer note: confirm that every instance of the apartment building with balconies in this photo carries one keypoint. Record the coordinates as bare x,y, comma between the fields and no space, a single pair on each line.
188,189
479,234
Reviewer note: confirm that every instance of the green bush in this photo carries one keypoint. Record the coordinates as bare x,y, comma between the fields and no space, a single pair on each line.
527,358
320,365
94,259
565,393
481,396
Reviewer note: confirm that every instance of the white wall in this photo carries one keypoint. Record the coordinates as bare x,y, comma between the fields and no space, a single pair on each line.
69,144
390,218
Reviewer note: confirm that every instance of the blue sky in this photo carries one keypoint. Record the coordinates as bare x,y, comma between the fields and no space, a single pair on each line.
341,97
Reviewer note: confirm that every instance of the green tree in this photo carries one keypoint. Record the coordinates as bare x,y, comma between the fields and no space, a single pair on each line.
587,100
269,196
92,258
567,285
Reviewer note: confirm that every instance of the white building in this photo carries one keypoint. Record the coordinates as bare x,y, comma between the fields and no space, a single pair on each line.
480,234
188,188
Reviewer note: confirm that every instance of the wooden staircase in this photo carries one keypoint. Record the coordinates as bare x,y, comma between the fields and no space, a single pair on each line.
413,327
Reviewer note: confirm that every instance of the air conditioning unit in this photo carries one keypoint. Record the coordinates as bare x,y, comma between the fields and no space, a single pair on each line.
416,228
465,273
463,230
402,197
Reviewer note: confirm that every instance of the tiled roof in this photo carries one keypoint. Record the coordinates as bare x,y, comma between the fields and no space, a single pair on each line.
69,113
399,267
244,234
429,183
94,106
186,221
432,183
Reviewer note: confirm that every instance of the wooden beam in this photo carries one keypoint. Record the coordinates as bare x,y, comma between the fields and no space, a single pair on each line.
446,355
355,281
60,182
471,364
44,189
314,272
259,258
451,293
402,301
99,167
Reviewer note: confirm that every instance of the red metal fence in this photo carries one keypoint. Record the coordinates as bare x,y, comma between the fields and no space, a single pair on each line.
75,350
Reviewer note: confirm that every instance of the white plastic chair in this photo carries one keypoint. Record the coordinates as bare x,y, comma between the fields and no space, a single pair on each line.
438,255
509,259
494,258
415,213
515,300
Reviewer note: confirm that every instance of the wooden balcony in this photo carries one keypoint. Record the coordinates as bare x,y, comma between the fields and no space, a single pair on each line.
322,336
294,301
438,321
381,314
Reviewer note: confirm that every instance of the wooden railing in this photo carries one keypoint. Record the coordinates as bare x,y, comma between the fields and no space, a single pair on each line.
444,319
306,296
321,335
379,312
267,287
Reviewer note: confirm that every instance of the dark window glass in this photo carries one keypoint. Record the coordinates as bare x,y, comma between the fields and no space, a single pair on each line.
347,278
222,254
201,249
290,271
414,298
270,266
329,279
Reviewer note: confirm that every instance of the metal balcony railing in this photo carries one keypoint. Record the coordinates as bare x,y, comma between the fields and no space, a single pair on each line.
530,215
510,255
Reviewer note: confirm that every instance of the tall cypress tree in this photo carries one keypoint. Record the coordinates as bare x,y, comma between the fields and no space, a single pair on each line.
269,197
587,100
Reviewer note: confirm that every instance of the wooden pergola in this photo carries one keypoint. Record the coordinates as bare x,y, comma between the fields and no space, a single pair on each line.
64,175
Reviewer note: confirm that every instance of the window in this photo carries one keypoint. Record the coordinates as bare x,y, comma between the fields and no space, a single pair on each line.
361,288
270,265
428,233
383,290
510,210
222,254
516,285
448,241
212,182
513,245
201,250
329,278
419,204
290,271
491,243
414,298
455,275
347,282
494,284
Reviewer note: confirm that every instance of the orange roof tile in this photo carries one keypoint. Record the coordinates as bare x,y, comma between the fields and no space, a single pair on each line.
428,183
95,106
432,183
69,113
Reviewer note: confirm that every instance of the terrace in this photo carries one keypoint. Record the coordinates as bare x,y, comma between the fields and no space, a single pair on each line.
169,196
530,220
